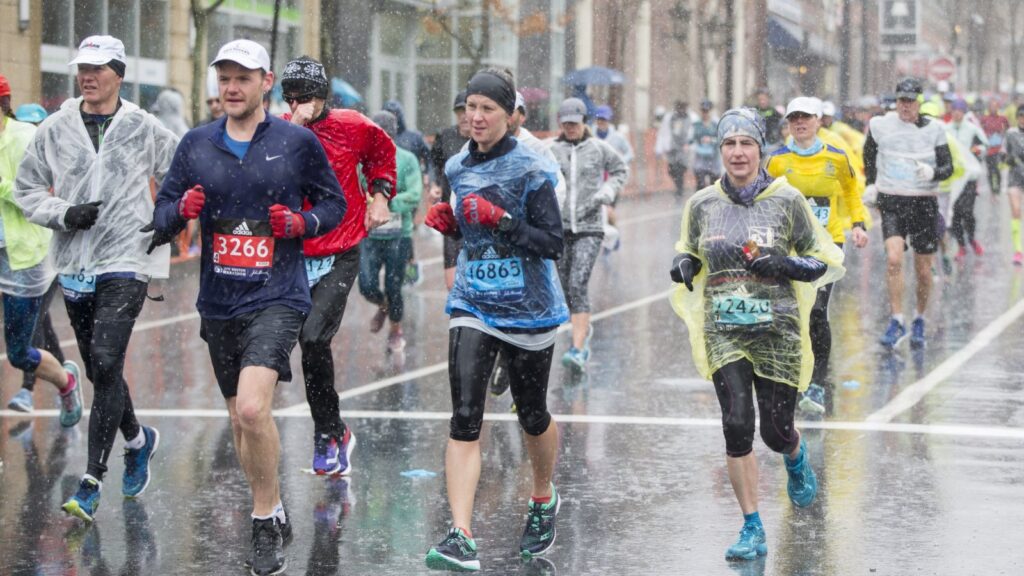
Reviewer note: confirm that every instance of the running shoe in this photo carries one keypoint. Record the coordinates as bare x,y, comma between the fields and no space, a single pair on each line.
267,548
947,265
894,334
22,401
286,537
136,464
539,534
803,484
456,553
917,333
85,501
961,255
377,322
1018,258
813,400
396,341
751,543
71,401
348,444
576,358
325,455
978,250
499,382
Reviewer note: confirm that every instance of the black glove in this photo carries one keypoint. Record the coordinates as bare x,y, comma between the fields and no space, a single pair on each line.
82,216
771,266
684,268
159,238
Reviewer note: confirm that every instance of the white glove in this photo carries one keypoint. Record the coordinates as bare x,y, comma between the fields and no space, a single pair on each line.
870,196
606,195
925,172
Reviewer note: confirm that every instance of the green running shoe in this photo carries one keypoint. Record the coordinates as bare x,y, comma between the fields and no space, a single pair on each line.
539,534
456,553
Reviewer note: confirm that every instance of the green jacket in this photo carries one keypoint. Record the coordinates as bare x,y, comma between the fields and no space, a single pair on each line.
27,243
407,197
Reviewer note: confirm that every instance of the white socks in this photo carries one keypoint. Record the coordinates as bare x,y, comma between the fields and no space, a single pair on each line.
137,442
277,513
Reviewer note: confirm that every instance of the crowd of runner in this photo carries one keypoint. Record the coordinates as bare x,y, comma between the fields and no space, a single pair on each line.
292,211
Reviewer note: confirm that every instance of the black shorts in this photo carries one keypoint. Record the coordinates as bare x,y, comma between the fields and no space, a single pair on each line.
261,338
452,247
912,218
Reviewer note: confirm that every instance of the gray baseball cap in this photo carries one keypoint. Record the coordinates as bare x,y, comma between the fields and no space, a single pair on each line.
572,110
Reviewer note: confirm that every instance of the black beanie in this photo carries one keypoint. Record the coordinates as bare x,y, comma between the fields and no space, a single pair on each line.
305,75
495,87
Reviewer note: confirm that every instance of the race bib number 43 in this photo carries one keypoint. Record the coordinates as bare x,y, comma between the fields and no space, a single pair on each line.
243,249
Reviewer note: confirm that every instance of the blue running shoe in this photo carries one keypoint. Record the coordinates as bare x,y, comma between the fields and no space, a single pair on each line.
576,358
71,403
894,334
803,484
751,543
539,534
136,464
456,553
917,333
813,400
22,401
85,502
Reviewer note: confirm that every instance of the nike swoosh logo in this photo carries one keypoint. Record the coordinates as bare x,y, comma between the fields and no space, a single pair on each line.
269,158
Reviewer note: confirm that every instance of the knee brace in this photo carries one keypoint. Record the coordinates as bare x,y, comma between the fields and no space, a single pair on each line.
739,435
533,422
781,438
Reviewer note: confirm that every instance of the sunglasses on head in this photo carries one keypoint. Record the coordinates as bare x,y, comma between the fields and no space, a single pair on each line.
300,98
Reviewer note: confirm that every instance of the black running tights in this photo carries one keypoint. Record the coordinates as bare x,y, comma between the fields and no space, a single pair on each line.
735,384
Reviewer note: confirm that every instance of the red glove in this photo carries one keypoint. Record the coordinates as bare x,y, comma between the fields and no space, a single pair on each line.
286,224
441,218
478,210
191,204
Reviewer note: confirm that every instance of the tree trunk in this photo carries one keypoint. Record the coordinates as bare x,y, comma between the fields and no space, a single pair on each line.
199,21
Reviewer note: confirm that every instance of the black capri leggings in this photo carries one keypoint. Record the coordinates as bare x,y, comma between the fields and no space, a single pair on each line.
471,355
735,384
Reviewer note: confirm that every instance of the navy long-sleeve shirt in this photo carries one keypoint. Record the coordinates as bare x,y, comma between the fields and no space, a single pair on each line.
243,267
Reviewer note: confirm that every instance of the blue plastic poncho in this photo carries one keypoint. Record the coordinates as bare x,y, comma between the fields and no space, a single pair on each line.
499,283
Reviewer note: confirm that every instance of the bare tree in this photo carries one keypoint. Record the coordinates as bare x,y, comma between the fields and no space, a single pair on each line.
201,12
621,17
1016,41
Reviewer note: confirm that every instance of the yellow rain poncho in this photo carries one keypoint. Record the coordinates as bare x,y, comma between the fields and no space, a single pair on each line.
773,331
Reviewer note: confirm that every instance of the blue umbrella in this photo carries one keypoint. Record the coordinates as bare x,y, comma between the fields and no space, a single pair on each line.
344,91
594,76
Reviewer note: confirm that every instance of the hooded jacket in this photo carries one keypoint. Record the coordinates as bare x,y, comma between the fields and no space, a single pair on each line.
351,142
411,140
584,165
62,158
170,109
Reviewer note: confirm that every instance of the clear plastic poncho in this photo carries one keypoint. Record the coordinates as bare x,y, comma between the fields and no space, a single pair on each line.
500,283
732,314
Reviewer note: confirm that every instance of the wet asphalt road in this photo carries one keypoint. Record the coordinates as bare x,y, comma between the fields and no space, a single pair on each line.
928,486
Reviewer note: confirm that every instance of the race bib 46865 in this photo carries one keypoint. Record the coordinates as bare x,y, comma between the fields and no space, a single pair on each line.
243,249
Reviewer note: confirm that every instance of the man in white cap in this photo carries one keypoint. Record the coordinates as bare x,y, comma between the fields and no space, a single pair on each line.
258,185
213,105
86,175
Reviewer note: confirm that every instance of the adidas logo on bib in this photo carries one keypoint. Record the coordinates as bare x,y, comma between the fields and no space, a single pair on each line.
242,230
490,254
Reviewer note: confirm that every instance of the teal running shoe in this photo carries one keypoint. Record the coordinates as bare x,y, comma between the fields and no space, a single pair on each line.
136,464
456,553
576,358
22,401
751,543
803,484
813,400
85,502
71,403
539,534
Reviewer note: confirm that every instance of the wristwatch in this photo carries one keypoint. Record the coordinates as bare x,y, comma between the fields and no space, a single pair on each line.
506,222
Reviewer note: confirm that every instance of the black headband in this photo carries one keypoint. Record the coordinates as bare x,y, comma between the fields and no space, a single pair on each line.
494,87
118,67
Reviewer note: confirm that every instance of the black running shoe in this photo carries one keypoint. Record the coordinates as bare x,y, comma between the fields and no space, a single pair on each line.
539,534
267,548
286,539
456,553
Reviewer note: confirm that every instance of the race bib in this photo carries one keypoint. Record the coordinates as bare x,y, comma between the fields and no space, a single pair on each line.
77,286
902,169
317,268
822,209
995,140
496,278
243,249
741,311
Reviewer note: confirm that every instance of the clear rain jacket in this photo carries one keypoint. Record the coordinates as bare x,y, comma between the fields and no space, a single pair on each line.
61,157
584,166
510,287
714,230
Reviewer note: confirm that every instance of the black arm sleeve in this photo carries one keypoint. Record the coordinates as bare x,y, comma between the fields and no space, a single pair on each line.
804,268
541,232
943,163
870,158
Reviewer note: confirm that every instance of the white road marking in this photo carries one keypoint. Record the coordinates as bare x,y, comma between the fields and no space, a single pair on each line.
913,394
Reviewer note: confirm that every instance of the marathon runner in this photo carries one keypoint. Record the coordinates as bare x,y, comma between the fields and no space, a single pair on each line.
823,174
972,138
1014,150
506,297
86,175
246,177
995,126
353,144
751,257
905,158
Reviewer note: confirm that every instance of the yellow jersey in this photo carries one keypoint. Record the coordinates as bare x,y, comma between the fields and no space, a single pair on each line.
827,180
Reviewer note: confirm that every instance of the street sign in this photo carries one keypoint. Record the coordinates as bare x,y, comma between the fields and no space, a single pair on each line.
898,25
941,69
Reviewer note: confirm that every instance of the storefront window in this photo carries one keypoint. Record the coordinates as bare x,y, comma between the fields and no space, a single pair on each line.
55,22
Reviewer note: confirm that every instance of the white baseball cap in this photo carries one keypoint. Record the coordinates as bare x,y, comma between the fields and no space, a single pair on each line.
245,53
828,108
212,89
99,50
520,101
805,104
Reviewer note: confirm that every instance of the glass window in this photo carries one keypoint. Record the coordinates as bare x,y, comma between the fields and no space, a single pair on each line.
55,91
154,24
121,23
88,19
392,33
432,41
55,22
434,99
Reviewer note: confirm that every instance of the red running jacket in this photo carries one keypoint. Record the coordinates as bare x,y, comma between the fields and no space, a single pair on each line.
350,140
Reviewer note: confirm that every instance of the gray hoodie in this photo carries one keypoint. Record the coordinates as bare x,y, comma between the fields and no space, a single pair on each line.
584,165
